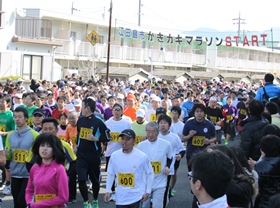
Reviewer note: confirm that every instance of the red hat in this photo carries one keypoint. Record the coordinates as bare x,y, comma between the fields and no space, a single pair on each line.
130,97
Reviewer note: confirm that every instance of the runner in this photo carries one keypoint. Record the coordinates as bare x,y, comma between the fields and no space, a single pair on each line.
134,176
160,154
91,132
18,145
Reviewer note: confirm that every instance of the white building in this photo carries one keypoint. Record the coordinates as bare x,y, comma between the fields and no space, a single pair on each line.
43,44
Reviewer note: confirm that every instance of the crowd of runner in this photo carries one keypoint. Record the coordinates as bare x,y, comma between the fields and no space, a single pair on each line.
55,135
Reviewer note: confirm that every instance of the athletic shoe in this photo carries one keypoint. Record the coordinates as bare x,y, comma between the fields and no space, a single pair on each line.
71,201
226,143
7,190
86,205
172,192
94,204
113,197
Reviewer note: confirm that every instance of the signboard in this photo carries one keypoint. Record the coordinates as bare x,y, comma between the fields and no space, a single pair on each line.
93,38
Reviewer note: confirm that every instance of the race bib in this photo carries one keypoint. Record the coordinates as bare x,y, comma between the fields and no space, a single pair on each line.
115,137
138,139
153,118
20,155
156,167
61,137
29,122
73,139
229,117
43,197
2,128
213,119
84,132
243,112
126,179
198,141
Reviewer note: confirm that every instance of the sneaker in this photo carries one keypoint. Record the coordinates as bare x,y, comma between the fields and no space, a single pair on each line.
226,143
86,205
94,204
172,192
113,197
71,201
7,190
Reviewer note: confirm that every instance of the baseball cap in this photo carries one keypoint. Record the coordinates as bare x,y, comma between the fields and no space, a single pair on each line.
19,80
220,103
129,133
9,80
120,96
156,98
130,97
17,95
79,88
140,113
38,111
160,110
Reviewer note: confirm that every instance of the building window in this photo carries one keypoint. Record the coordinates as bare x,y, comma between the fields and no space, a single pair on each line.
32,67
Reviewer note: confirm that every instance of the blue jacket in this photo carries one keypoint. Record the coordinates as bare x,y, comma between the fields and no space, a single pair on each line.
271,89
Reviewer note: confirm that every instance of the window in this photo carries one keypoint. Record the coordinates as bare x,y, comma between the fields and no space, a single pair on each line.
32,67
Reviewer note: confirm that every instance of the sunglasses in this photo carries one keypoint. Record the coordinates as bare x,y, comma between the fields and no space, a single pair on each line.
37,115
117,109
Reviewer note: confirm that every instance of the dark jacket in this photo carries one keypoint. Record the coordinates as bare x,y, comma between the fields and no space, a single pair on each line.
251,135
268,169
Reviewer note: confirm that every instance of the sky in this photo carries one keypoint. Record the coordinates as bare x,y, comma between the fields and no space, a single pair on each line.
172,15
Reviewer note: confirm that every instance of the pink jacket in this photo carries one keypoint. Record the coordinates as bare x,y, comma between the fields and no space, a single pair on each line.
47,181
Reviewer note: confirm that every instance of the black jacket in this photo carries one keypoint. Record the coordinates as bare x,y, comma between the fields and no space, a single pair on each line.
268,169
251,135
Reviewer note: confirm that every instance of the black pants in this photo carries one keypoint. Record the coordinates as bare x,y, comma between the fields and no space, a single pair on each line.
18,186
72,175
134,205
166,193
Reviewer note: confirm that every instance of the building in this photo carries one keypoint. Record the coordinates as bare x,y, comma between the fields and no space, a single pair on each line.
44,44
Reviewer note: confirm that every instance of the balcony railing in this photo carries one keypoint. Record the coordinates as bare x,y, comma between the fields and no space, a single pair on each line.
34,28
124,53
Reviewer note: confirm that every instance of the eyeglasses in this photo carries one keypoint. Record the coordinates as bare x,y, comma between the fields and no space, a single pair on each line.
190,175
117,109
37,115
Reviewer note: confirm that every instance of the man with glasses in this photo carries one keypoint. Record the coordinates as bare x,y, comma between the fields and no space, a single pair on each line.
211,175
116,124
37,118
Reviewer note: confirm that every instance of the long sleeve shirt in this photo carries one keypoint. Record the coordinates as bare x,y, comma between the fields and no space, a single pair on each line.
47,186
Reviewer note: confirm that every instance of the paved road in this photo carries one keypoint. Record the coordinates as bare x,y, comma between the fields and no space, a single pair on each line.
182,198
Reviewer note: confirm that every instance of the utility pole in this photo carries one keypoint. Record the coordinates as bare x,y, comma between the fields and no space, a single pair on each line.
109,42
239,21
72,9
139,13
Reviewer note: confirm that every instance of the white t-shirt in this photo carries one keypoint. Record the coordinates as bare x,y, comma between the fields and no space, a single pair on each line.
177,128
151,115
116,127
176,145
136,165
157,152
70,107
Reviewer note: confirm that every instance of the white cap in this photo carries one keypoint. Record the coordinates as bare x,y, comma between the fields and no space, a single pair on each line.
77,102
120,96
156,98
84,88
140,113
17,95
19,80
152,96
78,88
213,98
40,88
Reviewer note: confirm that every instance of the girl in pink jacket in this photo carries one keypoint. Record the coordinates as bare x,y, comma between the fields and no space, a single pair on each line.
48,183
